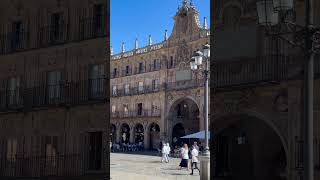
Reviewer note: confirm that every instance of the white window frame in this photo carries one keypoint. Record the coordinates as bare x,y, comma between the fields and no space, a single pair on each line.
14,90
53,83
140,87
127,89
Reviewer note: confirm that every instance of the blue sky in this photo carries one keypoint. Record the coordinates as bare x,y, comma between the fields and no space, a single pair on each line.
131,19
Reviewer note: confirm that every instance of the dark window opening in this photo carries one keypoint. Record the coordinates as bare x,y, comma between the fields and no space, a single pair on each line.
127,70
179,112
16,34
141,68
139,109
114,72
171,62
97,17
55,26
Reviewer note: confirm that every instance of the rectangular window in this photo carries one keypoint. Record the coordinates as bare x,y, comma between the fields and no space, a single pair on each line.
96,80
156,64
127,70
126,89
155,84
56,30
14,91
114,90
139,105
141,68
16,34
51,150
171,62
53,83
113,108
126,109
140,87
97,17
12,144
115,72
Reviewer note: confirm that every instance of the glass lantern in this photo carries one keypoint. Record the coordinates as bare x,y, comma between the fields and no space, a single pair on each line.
198,57
266,14
193,64
282,5
206,50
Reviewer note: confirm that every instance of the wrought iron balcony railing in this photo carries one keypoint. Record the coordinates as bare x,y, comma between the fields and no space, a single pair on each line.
14,42
21,166
136,91
62,94
136,114
135,70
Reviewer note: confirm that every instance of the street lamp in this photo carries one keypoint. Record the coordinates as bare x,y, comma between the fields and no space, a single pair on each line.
197,61
274,13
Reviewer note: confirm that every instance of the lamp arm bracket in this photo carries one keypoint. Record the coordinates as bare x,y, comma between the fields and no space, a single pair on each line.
295,44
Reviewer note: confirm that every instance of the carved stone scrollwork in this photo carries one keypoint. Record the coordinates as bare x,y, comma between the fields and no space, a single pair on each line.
233,101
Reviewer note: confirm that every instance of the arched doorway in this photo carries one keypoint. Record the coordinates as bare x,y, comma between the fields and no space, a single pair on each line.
183,119
125,133
113,133
139,133
247,148
177,132
154,136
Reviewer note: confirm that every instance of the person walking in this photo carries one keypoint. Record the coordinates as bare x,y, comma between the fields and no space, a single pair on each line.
194,159
168,150
184,157
164,152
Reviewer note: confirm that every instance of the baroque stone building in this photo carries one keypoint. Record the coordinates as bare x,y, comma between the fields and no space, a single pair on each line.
257,89
154,94
53,88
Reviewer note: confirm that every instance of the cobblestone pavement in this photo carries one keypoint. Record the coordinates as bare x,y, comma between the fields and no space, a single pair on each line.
146,167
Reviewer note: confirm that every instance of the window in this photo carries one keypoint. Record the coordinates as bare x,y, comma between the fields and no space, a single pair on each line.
115,72
51,151
139,105
114,90
14,91
96,79
171,62
155,84
126,89
56,24
12,149
140,87
155,108
126,109
127,70
156,64
16,34
141,68
113,108
54,78
97,17
179,114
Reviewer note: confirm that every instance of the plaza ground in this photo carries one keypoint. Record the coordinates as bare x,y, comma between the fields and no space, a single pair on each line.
147,167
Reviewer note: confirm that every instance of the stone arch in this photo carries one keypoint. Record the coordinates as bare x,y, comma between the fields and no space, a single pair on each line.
125,133
232,11
172,121
138,133
153,135
234,122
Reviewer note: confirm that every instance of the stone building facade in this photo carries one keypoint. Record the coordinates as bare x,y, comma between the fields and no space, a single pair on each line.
257,86
154,95
54,61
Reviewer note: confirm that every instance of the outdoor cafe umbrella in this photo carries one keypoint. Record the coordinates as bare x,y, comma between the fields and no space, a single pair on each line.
198,135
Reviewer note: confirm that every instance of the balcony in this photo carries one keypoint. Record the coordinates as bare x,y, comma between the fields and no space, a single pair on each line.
135,70
62,94
92,28
53,35
13,42
135,114
136,91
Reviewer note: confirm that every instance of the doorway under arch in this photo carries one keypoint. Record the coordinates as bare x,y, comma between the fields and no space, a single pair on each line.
177,132
113,133
154,136
138,133
247,148
125,133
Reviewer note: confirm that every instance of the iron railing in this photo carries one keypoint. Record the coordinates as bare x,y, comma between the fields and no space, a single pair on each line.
68,94
298,150
53,35
13,42
131,114
246,72
135,70
136,90
70,165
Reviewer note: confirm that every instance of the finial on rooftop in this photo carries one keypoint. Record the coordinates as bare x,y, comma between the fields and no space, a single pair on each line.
166,35
150,41
185,2
111,50
136,44
204,23
122,48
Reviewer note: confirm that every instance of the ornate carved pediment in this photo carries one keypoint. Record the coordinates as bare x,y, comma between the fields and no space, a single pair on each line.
183,52
233,101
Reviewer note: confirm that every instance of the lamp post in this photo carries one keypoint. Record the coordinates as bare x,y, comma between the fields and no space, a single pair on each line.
274,13
196,61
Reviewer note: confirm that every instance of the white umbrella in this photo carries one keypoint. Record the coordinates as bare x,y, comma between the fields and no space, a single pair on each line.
198,135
